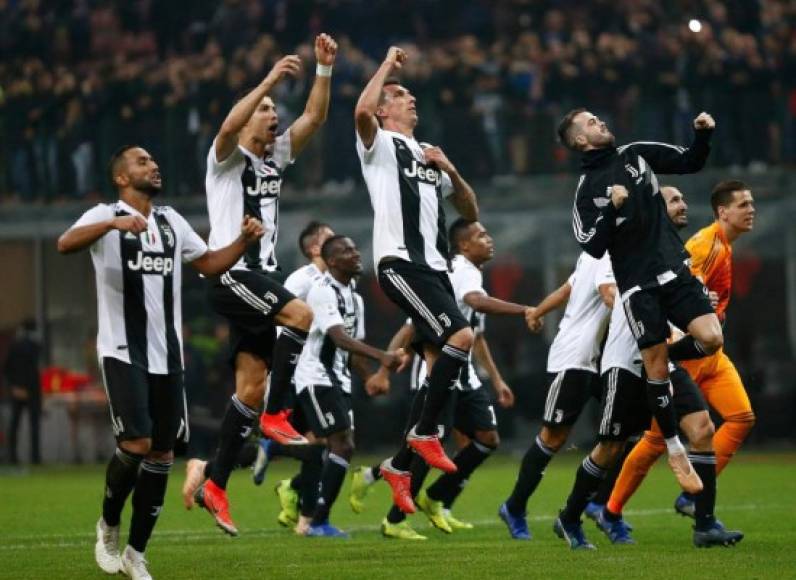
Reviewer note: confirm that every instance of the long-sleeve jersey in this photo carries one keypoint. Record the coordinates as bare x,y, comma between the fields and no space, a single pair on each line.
711,261
643,243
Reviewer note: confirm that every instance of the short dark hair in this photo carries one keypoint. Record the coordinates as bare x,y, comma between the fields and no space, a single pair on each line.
307,235
327,249
116,160
457,232
390,81
722,194
565,128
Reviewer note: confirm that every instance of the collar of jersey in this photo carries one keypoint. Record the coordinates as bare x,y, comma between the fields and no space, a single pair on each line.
401,135
335,281
464,258
597,157
130,209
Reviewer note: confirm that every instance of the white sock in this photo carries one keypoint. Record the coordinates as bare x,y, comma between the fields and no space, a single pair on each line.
367,475
674,446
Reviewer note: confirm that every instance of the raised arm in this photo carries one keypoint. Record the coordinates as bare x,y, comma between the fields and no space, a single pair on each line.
664,158
317,106
214,262
239,115
80,237
365,111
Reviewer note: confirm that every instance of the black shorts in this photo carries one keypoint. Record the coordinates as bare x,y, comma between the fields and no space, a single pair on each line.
326,410
144,405
249,300
568,394
473,411
625,411
649,310
426,296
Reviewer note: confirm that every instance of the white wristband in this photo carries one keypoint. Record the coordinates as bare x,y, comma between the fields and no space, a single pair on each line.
323,70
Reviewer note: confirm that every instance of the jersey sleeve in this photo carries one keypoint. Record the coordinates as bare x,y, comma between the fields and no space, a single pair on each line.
283,155
216,167
297,283
467,280
323,303
360,331
665,158
593,218
376,150
192,246
99,213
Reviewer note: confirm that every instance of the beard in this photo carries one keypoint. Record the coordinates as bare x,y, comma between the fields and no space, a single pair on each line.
148,187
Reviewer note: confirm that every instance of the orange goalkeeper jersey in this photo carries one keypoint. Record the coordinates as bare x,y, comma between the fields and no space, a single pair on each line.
711,261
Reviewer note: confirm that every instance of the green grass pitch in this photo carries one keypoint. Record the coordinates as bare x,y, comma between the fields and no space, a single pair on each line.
47,519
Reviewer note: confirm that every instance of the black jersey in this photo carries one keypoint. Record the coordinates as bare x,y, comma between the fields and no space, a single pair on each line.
644,245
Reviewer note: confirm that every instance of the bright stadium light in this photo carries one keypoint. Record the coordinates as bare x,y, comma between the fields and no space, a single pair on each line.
694,25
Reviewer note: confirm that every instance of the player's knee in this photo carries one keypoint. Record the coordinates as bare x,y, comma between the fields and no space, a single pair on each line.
141,446
462,339
553,439
712,341
700,433
342,447
607,453
296,315
160,456
489,439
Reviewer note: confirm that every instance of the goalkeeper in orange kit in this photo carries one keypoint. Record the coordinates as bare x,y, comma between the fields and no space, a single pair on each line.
711,261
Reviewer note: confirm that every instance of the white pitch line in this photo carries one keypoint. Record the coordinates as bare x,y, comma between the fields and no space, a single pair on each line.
180,536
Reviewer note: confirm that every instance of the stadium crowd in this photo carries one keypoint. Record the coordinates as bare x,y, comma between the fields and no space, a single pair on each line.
81,77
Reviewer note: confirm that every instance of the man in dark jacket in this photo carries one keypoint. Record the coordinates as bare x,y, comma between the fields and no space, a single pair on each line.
619,209
22,378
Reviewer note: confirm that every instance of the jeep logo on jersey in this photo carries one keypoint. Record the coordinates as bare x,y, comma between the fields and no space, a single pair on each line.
423,173
265,186
151,264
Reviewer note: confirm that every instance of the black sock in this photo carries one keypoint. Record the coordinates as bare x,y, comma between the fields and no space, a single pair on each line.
659,402
687,348
607,486
150,489
419,469
332,478
120,478
296,481
309,479
403,459
286,354
449,485
247,454
235,429
705,501
587,480
531,471
443,375
375,472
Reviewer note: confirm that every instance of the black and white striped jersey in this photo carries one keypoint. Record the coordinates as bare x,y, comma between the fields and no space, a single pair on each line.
139,280
406,194
321,363
244,184
585,320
